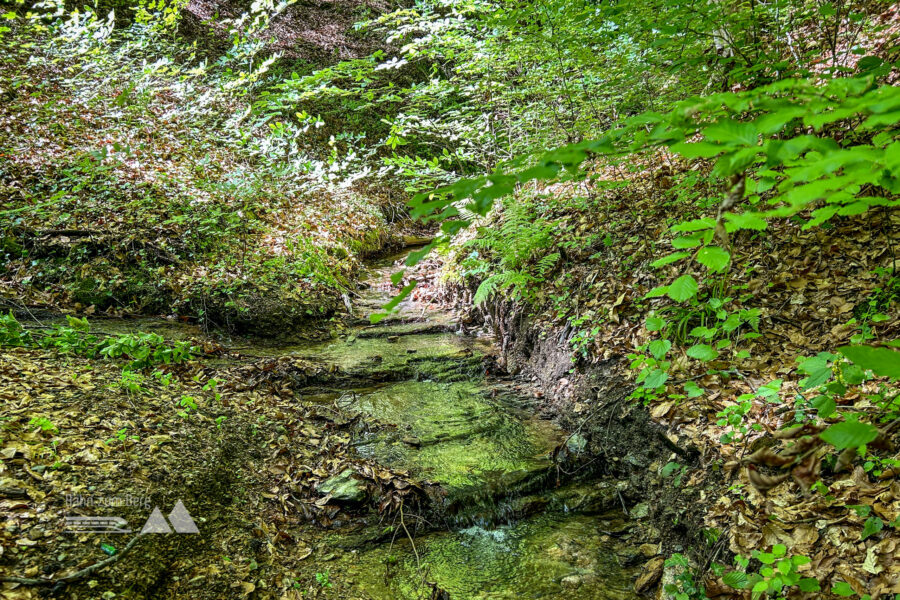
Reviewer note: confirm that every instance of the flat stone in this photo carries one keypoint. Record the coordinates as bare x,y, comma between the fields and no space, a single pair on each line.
652,572
343,487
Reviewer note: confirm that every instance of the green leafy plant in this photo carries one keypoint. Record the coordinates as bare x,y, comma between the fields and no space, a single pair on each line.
733,417
143,349
122,436
12,333
187,404
687,585
44,423
323,578
132,382
675,470
778,574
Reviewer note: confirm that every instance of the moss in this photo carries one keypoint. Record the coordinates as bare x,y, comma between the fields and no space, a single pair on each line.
549,557
469,443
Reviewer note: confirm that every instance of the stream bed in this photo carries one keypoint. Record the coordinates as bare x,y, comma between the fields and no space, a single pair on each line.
508,531
509,521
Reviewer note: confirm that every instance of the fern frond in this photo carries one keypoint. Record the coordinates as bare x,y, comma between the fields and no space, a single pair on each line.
546,263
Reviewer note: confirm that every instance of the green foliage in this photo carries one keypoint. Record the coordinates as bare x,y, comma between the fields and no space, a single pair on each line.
517,250
123,437
733,417
683,288
323,578
207,227
12,333
674,470
778,574
849,434
687,585
187,404
709,327
44,423
881,361
872,526
775,162
141,349
132,383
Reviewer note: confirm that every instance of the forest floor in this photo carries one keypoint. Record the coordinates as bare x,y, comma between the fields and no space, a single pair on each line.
227,433
251,436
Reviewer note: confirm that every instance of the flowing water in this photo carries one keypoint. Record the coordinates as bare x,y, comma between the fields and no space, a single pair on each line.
511,525
510,532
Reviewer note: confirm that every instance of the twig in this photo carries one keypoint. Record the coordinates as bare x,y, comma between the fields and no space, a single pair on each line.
77,574
671,445
624,510
411,540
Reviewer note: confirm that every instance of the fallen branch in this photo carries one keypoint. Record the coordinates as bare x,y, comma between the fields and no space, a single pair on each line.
77,574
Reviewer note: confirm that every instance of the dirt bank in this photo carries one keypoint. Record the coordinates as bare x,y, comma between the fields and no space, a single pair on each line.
624,443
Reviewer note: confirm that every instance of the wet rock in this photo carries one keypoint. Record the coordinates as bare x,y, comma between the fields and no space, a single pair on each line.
651,534
417,240
343,487
596,498
571,581
528,505
637,461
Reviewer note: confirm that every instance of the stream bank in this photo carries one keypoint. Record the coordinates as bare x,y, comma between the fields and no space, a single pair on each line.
624,443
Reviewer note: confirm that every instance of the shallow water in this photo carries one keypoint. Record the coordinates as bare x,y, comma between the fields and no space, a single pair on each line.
551,556
515,538
454,434
505,530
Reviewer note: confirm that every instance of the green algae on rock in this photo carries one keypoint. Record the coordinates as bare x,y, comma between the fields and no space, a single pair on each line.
343,487
468,442
548,557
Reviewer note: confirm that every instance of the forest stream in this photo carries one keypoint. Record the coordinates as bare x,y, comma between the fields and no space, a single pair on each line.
480,442
515,511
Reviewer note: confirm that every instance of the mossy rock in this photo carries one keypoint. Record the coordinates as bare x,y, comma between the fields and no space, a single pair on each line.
343,487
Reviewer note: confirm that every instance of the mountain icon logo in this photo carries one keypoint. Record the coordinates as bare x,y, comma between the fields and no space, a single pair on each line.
180,518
